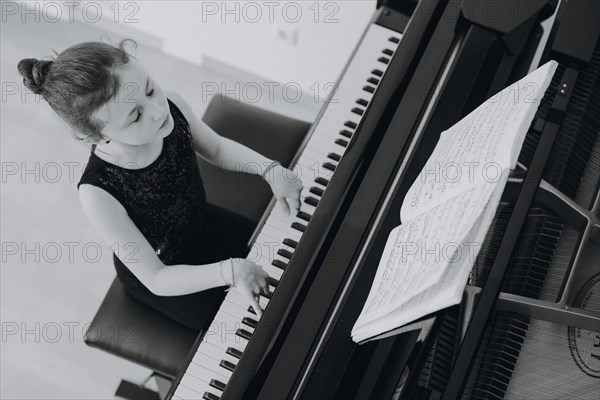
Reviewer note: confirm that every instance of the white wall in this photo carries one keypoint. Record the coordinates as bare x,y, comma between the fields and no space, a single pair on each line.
248,35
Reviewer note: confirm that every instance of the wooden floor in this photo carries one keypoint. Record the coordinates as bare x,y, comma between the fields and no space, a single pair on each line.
47,294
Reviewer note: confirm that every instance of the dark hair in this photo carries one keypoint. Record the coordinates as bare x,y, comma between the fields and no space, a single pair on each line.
78,82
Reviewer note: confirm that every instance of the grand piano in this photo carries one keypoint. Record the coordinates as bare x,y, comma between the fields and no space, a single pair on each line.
528,325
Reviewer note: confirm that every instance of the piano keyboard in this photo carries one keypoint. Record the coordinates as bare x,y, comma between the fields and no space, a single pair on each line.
223,344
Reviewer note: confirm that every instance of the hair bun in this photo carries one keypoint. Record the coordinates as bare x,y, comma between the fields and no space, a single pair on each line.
34,73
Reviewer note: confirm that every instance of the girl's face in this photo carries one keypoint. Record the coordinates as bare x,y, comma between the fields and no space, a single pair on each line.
140,113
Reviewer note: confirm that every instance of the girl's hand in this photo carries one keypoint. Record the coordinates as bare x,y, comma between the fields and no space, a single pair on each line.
250,280
286,185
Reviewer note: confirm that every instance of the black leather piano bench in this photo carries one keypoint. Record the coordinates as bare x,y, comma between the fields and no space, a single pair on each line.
129,329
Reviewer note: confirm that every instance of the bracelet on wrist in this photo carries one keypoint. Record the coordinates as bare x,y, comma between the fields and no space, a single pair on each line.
232,280
269,167
223,276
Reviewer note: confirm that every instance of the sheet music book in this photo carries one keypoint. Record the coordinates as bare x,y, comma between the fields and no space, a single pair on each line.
448,210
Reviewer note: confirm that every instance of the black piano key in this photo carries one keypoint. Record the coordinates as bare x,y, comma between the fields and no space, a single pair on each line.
311,200
358,111
304,215
290,242
363,102
322,181
250,310
232,351
250,322
272,281
341,142
299,226
374,81
218,384
377,72
210,396
334,157
329,166
279,264
284,253
369,89
388,52
350,124
227,365
317,191
244,333
384,60
346,133
394,39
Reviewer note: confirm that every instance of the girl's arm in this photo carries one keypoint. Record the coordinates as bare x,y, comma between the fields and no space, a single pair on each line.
234,156
115,225
217,149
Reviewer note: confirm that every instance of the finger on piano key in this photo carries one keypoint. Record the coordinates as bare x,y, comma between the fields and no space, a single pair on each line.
240,300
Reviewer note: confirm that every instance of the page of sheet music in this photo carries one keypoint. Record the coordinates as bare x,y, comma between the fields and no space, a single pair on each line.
445,292
419,252
483,146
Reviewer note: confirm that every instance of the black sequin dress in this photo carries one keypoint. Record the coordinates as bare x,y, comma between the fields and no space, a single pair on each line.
167,202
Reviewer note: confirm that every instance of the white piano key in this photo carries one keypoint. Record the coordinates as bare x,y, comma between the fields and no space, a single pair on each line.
217,353
202,364
281,232
186,393
319,156
226,341
212,365
284,232
238,298
195,383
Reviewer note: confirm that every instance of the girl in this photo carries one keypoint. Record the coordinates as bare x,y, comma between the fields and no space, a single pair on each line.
142,189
